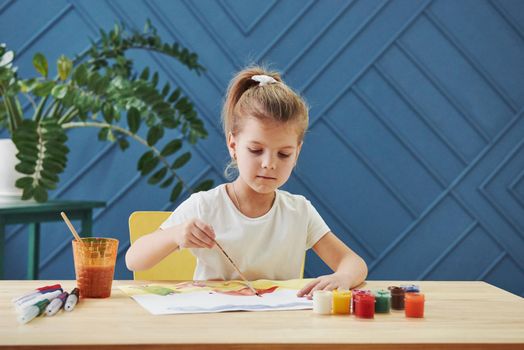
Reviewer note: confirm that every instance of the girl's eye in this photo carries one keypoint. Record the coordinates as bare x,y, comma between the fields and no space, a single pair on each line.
255,151
284,155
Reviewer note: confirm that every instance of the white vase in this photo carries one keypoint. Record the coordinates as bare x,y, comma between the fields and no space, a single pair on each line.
8,174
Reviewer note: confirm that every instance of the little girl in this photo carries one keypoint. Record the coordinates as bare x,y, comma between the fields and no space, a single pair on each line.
264,230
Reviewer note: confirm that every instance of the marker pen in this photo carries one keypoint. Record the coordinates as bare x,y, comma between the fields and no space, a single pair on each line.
56,304
33,311
30,297
36,291
46,296
72,300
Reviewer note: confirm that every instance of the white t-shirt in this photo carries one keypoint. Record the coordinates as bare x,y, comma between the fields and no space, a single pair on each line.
271,246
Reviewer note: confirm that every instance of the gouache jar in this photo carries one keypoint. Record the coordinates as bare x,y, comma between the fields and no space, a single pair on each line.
414,303
322,300
365,305
410,288
382,301
397,297
341,301
354,294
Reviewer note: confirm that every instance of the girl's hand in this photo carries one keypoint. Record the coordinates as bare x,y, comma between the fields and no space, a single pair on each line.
195,234
326,282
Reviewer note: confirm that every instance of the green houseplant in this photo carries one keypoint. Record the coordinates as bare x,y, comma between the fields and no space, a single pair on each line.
101,90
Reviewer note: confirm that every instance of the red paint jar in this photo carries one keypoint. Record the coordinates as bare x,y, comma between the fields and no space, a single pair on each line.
365,305
354,293
414,305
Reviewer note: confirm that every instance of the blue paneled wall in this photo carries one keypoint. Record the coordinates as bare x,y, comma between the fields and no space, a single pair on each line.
415,152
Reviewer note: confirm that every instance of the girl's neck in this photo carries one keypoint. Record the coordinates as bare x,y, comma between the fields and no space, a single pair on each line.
249,202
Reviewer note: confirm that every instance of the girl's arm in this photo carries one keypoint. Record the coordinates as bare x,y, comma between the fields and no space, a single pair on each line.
350,269
149,250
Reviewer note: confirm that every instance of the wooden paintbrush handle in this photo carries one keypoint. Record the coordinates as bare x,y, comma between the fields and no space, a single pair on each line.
236,268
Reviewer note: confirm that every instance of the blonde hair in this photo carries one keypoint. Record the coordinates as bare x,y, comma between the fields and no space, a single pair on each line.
272,101
276,102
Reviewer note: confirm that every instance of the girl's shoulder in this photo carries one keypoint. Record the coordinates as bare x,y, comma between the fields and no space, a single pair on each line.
209,195
199,202
293,201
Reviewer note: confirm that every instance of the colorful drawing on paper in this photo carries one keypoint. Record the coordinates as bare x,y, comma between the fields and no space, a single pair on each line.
218,296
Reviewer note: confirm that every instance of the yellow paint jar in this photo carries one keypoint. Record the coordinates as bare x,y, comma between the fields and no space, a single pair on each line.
341,301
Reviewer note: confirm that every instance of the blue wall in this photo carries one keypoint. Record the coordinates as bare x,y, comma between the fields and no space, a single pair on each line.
415,152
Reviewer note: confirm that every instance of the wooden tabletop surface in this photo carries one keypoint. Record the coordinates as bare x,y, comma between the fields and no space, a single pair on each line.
458,315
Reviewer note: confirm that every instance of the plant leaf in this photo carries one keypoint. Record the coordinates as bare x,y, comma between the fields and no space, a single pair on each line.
176,191
154,80
181,161
54,146
175,95
40,64
25,168
52,166
40,194
28,193
108,112
145,74
166,89
123,143
111,136
59,91
147,156
49,176
24,182
64,66
170,122
27,156
50,185
133,119
103,134
171,147
80,75
168,182
203,186
44,88
154,134
150,165
158,176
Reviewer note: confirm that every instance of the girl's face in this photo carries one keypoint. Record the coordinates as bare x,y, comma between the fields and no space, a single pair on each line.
266,152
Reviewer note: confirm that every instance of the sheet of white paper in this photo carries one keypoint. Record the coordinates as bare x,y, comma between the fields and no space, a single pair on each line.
202,302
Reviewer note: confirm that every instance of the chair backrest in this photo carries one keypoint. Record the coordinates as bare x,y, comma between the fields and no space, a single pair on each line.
179,265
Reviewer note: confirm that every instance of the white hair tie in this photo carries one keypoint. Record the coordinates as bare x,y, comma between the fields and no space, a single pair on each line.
264,79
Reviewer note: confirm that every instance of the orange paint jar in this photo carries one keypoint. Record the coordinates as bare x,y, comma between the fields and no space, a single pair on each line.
414,305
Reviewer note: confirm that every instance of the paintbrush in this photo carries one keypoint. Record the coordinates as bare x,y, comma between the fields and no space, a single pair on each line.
236,268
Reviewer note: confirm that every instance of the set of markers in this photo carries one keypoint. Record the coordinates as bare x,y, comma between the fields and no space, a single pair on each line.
46,300
365,303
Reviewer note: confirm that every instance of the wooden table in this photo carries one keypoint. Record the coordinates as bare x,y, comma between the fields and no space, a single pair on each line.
459,315
33,213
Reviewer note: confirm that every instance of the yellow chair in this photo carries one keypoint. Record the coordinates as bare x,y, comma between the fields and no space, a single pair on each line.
179,265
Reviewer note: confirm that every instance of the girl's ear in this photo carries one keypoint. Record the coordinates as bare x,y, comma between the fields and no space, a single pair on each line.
232,146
